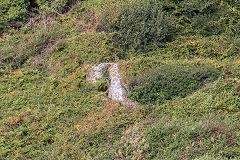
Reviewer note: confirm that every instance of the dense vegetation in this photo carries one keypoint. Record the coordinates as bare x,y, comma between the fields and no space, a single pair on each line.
167,82
140,25
180,59
14,12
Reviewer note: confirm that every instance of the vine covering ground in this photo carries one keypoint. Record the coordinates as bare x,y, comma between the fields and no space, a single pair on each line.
48,110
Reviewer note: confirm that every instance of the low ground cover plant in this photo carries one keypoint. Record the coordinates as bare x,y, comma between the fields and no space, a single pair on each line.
179,59
187,139
164,83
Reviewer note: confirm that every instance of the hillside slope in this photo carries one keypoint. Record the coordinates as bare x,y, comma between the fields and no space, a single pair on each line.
178,60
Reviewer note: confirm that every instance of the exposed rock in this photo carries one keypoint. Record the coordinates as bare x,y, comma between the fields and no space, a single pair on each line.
116,90
96,72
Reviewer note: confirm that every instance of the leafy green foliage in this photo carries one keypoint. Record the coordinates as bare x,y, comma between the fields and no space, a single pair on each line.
20,47
213,47
206,18
92,49
140,25
167,82
101,85
221,96
12,10
220,22
51,6
234,3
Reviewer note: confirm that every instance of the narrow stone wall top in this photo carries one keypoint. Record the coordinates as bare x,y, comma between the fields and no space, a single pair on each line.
116,89
96,72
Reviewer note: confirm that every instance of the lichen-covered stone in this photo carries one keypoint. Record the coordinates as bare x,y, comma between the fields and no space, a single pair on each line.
96,72
116,89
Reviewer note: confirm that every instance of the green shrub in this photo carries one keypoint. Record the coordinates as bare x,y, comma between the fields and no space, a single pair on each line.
157,85
20,47
223,20
12,10
51,6
193,7
183,12
207,18
213,47
233,3
91,48
101,85
221,96
140,25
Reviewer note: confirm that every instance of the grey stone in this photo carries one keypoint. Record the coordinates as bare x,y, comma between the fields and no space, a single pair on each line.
116,89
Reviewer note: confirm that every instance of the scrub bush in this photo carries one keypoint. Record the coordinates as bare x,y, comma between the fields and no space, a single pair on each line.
212,47
101,85
14,12
140,26
52,5
207,18
19,48
157,85
10,11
